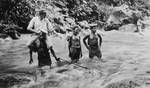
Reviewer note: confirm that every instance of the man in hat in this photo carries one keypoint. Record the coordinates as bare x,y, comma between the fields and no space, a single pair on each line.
93,43
41,26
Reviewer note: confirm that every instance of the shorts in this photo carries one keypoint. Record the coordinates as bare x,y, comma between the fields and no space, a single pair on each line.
95,52
75,53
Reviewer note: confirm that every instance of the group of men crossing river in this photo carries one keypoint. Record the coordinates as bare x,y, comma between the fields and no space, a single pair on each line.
41,41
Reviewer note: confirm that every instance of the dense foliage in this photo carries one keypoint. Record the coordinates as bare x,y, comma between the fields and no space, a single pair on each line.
15,12
19,12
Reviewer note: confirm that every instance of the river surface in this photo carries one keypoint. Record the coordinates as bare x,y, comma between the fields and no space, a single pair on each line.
125,55
14,54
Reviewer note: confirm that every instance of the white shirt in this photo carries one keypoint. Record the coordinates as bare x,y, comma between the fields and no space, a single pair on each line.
40,25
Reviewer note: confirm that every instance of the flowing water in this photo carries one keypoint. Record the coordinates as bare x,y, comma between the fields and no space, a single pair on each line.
126,63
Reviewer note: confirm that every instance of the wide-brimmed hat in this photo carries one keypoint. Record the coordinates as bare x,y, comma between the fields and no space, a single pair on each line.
84,24
41,10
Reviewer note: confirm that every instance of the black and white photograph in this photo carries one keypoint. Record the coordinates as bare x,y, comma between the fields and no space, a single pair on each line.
74,43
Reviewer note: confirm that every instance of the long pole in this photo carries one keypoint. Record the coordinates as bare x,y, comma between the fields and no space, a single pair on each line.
75,64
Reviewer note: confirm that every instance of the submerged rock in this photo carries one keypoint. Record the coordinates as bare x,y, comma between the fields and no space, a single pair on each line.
13,79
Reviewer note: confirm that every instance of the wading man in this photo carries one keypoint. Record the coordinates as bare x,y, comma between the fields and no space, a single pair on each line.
40,42
93,42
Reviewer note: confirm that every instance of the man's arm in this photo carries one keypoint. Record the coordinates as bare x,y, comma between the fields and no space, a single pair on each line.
31,59
50,27
84,41
80,47
31,25
100,39
51,30
69,38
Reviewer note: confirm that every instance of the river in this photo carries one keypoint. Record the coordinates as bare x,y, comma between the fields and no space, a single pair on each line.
126,57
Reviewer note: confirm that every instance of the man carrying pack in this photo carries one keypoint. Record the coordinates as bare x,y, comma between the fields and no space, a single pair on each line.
41,25
93,43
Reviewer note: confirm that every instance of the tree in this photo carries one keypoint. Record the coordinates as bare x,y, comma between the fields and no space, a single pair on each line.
15,11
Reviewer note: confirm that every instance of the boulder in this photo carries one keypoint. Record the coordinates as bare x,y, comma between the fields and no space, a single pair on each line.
8,80
112,26
13,33
128,28
114,19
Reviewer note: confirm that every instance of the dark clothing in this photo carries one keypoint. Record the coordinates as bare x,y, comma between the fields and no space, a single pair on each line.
39,45
75,53
75,43
74,49
43,54
94,52
94,45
